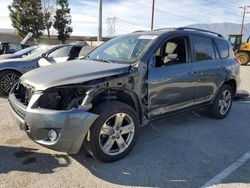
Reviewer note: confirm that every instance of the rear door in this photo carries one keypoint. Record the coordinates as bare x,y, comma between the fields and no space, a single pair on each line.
208,68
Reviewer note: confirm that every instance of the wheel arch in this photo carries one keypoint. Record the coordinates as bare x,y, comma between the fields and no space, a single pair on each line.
10,69
233,84
126,96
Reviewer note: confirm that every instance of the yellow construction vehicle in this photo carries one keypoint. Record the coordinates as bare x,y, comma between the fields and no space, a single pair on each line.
241,49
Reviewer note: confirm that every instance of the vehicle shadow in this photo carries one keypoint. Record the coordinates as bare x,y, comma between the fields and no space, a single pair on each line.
160,158
28,159
3,96
179,152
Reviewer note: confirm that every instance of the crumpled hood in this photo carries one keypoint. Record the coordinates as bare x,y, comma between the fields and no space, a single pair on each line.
72,72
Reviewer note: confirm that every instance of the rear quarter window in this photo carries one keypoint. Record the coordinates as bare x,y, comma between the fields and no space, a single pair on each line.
223,48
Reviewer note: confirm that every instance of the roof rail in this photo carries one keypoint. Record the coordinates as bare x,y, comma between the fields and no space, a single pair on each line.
201,30
138,31
166,28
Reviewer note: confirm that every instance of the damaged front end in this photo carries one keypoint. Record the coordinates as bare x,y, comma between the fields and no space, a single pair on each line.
65,111
54,110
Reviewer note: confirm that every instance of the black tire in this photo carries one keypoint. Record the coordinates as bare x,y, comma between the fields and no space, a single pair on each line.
243,58
4,90
105,111
214,109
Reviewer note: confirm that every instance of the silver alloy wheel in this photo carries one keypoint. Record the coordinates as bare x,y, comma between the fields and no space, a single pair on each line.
225,102
116,134
8,81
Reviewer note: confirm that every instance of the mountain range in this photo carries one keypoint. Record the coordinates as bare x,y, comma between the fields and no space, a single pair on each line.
224,28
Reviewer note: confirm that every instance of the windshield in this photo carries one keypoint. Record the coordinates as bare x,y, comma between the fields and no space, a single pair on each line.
37,52
232,40
25,50
125,49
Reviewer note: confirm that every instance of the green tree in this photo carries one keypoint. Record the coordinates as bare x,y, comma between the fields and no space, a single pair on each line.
63,20
48,10
26,16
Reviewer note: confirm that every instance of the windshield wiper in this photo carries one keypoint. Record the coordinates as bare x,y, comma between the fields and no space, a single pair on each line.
100,59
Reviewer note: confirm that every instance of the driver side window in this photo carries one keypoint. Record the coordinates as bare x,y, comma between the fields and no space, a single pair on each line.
61,52
173,51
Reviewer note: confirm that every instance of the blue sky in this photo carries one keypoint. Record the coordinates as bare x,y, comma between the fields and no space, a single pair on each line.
136,14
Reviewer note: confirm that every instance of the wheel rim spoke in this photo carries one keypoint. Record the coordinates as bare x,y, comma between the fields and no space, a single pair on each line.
121,143
106,129
118,120
109,143
225,102
127,129
8,81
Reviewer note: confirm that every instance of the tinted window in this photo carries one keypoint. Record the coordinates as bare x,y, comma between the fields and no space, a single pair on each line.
61,52
204,48
223,48
15,46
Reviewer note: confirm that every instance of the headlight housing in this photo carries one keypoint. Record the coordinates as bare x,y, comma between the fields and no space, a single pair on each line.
62,98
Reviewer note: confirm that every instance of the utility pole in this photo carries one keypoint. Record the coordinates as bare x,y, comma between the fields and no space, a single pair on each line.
245,11
153,13
99,37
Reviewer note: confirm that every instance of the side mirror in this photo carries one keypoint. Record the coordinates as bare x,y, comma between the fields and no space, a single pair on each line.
44,56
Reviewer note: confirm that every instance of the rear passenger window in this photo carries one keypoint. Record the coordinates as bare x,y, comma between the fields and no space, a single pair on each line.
204,48
223,48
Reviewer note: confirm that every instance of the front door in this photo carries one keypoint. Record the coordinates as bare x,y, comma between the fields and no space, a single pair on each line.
171,79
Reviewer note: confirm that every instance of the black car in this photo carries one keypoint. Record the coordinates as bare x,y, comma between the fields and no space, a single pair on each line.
11,47
12,69
20,53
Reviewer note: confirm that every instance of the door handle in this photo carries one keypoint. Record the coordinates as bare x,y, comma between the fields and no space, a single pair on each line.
192,72
223,67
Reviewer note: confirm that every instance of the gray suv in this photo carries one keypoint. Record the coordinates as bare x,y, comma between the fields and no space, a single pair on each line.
100,102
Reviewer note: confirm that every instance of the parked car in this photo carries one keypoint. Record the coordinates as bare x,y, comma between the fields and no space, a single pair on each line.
20,53
11,47
12,69
125,83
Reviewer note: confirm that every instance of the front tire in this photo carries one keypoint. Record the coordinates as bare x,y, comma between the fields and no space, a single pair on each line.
114,133
222,103
7,81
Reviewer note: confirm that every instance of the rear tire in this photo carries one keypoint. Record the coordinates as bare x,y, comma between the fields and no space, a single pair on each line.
7,81
222,103
114,133
243,58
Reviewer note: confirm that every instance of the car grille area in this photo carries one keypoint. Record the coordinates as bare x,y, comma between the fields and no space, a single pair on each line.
23,93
